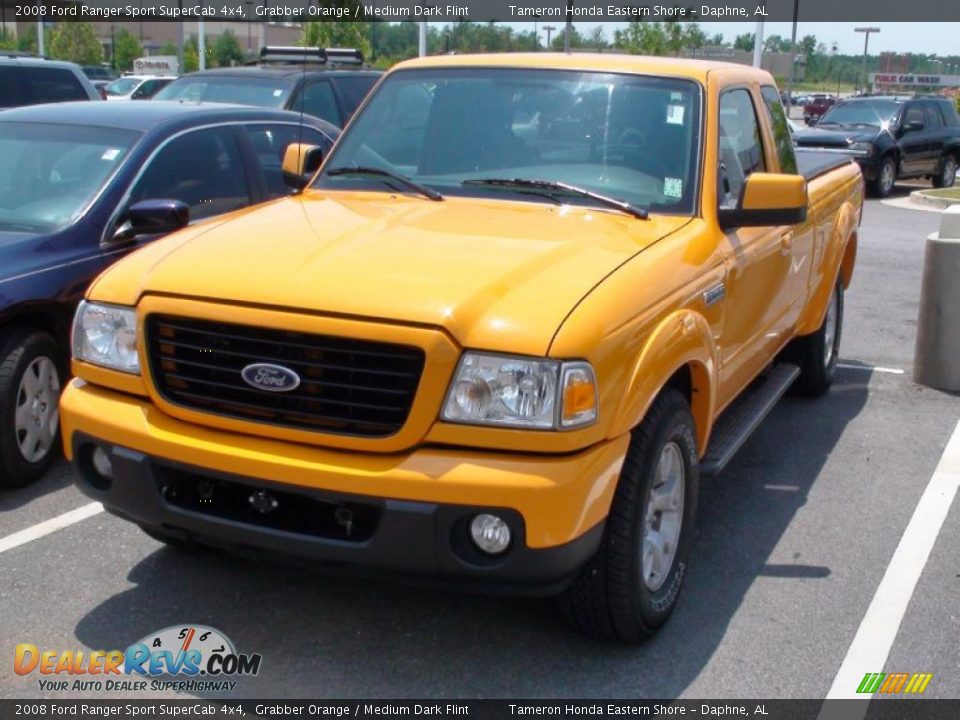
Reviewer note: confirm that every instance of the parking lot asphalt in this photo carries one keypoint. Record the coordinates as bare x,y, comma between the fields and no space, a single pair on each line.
794,538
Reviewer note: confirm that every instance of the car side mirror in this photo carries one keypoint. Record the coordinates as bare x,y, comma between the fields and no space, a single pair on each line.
767,199
913,126
300,163
153,217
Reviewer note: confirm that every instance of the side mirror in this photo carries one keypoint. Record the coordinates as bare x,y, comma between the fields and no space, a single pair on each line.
153,217
768,199
913,126
300,163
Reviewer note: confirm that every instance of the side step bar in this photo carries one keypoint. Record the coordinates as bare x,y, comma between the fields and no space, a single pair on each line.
744,416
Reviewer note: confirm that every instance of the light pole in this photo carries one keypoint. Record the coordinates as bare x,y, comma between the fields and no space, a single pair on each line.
793,54
549,29
866,43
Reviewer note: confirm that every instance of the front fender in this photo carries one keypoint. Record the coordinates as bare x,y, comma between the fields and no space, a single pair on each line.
682,339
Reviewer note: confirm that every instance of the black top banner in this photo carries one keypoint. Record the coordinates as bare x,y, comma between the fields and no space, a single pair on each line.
486,10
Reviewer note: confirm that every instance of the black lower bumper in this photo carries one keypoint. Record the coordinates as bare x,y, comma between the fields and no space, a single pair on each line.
332,531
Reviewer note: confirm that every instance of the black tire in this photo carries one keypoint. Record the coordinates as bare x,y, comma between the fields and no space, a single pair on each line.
809,352
882,184
947,174
610,596
18,352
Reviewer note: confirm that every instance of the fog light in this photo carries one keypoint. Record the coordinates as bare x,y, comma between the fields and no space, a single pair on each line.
490,533
102,464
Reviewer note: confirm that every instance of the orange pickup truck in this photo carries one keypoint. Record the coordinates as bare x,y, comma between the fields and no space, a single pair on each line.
523,306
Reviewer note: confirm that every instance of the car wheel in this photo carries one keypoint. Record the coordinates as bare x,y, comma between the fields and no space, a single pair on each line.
948,172
31,372
817,354
886,177
630,587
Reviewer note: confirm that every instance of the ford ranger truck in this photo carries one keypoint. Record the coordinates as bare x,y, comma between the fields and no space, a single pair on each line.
523,306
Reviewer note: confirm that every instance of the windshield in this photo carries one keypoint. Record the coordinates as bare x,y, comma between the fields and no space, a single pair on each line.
631,138
122,86
49,173
862,112
249,90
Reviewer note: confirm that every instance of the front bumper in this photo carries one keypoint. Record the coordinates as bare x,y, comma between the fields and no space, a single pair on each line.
409,512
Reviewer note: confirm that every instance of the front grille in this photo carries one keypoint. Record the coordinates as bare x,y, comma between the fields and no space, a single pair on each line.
347,386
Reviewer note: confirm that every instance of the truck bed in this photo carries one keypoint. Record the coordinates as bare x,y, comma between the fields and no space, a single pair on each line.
813,163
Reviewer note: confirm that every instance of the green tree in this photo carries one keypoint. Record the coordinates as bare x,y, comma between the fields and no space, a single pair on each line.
126,49
227,51
598,38
76,42
775,44
695,37
191,59
169,48
716,39
338,34
744,42
808,43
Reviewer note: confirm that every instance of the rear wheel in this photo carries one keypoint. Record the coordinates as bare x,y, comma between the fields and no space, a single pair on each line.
948,172
630,587
817,354
31,372
886,177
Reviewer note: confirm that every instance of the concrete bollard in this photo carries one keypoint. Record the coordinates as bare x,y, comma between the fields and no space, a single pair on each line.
936,360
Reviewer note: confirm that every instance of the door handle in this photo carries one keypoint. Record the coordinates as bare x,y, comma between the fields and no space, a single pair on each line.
786,243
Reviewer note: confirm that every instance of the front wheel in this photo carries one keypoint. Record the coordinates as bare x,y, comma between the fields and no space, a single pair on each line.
630,587
886,177
30,383
948,172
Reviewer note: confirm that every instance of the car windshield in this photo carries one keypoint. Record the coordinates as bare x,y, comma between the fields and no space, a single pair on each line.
862,112
50,173
122,86
631,138
249,90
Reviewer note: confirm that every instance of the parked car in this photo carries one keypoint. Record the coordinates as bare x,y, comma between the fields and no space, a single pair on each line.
82,184
137,87
817,105
892,138
101,87
98,72
492,343
323,90
26,80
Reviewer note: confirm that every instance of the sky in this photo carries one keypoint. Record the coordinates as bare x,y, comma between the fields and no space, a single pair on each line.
901,37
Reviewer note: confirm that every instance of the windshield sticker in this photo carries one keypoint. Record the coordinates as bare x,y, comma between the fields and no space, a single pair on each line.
673,187
675,114
110,154
676,97
278,93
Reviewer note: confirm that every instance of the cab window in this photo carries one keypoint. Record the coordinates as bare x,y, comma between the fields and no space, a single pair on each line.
781,131
741,147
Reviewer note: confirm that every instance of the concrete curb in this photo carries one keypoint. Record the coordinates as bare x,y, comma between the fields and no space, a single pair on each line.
920,197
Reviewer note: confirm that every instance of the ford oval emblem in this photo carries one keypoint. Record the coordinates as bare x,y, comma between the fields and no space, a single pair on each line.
270,377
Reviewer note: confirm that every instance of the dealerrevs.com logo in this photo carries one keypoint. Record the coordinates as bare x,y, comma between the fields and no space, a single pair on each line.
201,658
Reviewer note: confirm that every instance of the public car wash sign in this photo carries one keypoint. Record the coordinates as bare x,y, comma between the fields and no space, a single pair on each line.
913,79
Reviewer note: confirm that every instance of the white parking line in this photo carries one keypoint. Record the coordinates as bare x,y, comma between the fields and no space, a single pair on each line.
49,526
870,647
870,368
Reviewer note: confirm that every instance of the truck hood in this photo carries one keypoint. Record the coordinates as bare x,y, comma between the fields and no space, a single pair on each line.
836,137
493,273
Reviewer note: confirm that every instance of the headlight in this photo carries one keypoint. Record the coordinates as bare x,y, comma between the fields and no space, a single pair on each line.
521,392
862,147
106,335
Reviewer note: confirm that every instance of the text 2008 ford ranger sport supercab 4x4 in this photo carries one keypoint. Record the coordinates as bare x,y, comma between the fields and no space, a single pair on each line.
493,340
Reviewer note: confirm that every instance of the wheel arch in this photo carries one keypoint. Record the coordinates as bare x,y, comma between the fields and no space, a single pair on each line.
680,354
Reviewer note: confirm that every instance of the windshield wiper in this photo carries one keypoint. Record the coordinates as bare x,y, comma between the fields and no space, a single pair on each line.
551,185
402,179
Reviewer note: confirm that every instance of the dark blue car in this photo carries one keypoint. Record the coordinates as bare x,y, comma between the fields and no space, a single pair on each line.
82,184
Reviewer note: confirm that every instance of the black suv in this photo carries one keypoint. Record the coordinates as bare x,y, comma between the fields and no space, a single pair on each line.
310,80
892,138
29,80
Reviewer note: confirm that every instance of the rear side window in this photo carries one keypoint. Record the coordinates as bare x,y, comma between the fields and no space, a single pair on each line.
914,113
8,90
949,112
741,148
934,119
49,85
318,100
781,131
353,90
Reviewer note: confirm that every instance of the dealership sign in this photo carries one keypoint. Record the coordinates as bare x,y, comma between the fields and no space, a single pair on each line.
915,79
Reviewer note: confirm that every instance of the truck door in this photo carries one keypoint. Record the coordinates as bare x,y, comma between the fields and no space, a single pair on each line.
914,140
759,266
